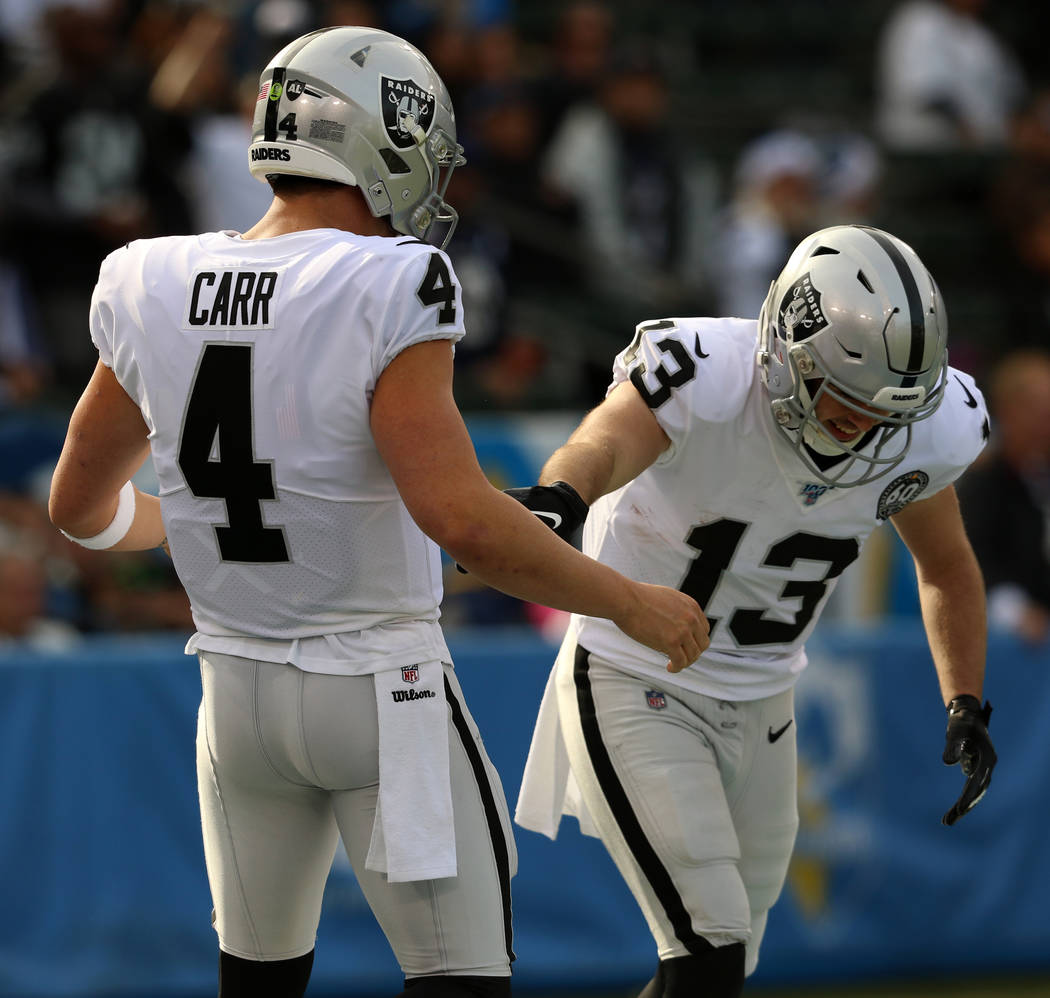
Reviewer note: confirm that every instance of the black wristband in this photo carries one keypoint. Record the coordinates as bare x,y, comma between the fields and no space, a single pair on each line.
574,499
558,504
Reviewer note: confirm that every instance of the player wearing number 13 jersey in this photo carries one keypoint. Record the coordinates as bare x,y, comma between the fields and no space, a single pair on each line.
747,467
294,386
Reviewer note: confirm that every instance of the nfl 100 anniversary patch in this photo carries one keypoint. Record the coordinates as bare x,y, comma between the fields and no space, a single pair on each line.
811,492
901,491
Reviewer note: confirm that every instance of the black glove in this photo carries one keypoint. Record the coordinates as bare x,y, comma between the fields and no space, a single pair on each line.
558,505
967,742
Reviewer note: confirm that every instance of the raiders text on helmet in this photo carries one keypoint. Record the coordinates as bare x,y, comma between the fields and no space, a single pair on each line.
856,316
363,107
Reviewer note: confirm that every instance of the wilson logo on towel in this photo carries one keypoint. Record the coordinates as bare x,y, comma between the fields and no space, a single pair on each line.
400,696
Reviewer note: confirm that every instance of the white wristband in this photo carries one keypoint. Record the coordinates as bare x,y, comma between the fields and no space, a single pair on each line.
118,527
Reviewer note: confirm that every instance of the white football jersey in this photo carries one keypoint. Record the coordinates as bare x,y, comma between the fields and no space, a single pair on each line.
254,364
730,514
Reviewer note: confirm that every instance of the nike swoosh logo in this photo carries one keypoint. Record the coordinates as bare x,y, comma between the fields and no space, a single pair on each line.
553,518
970,400
699,350
774,735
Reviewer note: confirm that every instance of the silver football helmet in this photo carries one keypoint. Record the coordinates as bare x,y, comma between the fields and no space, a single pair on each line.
362,107
855,316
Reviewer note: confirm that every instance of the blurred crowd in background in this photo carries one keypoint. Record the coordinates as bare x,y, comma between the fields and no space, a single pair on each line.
625,161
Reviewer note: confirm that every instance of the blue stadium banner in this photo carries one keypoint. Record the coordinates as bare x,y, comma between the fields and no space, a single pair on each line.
103,871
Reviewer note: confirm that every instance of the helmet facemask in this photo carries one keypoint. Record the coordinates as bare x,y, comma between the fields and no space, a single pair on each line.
434,219
868,456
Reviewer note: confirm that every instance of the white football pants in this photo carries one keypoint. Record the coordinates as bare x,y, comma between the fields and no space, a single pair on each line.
286,762
694,798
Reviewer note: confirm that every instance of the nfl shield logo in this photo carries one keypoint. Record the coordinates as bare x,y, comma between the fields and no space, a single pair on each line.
655,699
401,100
410,673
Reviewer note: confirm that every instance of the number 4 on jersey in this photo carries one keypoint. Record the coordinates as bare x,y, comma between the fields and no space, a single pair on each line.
220,410
437,287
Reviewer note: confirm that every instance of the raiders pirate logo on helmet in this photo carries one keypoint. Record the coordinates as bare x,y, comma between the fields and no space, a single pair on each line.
403,100
801,314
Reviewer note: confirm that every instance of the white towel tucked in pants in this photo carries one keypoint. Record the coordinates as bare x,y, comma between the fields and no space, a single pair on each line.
413,837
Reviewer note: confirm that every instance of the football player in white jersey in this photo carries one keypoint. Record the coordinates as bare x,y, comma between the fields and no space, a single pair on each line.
294,387
746,464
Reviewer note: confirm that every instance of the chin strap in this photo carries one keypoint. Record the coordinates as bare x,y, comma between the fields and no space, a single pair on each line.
818,440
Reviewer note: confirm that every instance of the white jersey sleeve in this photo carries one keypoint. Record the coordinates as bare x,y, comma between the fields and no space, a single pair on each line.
688,371
425,304
955,435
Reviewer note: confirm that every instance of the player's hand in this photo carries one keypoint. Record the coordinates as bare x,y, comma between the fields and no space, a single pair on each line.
668,621
967,743
558,505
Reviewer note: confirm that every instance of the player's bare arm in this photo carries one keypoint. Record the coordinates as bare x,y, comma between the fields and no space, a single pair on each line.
106,443
614,444
951,593
422,438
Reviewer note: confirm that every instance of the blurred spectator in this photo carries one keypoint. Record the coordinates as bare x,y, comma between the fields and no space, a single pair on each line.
94,166
579,55
413,19
452,51
1005,497
1020,210
945,80
86,591
1030,131
24,366
138,591
23,610
1021,281
193,81
222,192
851,188
506,151
646,196
774,204
486,370
515,241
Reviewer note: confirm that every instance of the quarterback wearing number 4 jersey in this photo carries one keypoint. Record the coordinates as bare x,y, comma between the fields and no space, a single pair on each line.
748,469
294,386
216,409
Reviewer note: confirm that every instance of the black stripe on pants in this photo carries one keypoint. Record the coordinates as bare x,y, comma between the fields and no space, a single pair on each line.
644,855
499,840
